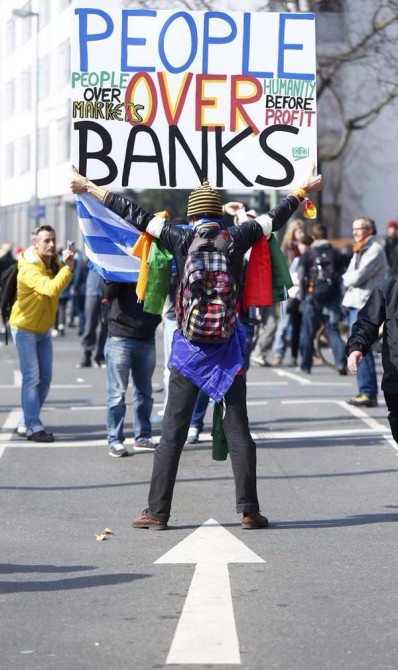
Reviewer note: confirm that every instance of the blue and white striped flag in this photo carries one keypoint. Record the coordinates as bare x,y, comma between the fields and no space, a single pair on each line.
108,241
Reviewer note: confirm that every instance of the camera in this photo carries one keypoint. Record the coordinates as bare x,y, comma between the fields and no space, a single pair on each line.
71,246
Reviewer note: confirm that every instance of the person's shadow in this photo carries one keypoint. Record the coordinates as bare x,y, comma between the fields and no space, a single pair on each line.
354,520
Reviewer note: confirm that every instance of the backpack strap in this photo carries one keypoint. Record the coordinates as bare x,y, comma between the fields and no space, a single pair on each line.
220,242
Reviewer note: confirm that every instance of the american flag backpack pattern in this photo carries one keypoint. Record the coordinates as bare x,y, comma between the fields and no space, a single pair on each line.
206,300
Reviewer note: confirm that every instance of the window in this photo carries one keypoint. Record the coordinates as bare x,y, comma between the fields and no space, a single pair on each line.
10,97
10,165
10,37
44,13
330,5
44,77
25,95
25,25
63,4
63,63
42,148
63,140
25,154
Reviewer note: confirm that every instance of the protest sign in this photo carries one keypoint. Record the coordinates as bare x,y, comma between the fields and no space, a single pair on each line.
167,98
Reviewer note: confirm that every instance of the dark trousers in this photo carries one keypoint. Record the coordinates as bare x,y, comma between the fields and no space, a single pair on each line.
92,314
392,406
241,447
309,322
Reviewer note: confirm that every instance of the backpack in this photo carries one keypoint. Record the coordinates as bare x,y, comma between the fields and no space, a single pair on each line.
326,283
206,297
8,292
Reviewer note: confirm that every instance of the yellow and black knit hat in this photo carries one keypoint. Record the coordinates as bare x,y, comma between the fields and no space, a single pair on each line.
204,199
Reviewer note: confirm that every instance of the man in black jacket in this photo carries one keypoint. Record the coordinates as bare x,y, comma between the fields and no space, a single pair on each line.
380,308
130,347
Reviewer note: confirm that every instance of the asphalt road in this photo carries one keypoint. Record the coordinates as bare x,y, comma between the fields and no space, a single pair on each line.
315,591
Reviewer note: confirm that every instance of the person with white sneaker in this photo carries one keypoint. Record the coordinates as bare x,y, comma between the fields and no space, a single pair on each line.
129,348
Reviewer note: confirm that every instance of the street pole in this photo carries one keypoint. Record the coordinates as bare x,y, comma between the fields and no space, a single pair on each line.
27,14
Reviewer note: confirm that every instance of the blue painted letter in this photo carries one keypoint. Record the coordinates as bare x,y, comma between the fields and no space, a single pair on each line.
207,40
137,41
297,47
194,43
84,38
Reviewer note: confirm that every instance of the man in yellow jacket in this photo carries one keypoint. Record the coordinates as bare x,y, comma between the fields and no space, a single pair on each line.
41,279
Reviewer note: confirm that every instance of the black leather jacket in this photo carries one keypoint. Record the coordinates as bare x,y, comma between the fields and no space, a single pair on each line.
381,307
123,313
178,240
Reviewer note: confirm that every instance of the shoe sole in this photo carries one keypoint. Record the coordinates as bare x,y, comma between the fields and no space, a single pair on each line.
139,448
252,526
362,405
151,527
123,455
41,441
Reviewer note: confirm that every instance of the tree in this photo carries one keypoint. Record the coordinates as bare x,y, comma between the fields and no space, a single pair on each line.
367,32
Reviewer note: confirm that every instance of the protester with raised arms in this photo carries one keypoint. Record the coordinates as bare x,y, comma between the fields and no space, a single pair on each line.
217,367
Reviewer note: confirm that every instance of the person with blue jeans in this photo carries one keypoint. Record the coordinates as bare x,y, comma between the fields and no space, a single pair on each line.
40,281
367,270
129,348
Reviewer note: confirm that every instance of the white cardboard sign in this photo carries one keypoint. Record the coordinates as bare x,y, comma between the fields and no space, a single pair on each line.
167,98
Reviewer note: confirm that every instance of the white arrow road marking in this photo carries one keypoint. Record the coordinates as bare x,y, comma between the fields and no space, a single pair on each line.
206,631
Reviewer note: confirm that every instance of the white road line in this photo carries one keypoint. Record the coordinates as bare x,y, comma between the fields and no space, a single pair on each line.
70,444
75,443
320,401
17,378
71,386
372,423
9,425
269,436
95,408
375,426
304,381
89,408
290,375
53,386
391,442
312,434
11,420
273,383
8,428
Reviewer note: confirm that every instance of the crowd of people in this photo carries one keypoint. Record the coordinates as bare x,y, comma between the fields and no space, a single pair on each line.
57,291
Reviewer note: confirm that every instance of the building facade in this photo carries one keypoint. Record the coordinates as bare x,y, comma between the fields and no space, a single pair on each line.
39,109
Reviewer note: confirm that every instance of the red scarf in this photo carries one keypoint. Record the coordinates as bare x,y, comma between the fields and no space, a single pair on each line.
257,291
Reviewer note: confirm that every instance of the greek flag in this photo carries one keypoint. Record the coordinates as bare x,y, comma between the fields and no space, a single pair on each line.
108,241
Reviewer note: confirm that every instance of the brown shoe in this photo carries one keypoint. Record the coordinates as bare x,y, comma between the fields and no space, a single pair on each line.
145,521
253,520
